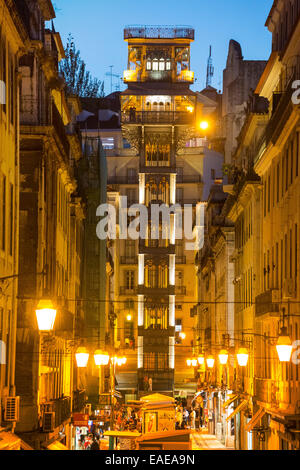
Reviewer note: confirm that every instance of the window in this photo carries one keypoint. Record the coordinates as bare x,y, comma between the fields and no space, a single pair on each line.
129,279
212,174
108,143
11,218
155,65
3,194
148,66
161,65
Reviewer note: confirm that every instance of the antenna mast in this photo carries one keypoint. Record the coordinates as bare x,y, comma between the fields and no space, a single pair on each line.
210,70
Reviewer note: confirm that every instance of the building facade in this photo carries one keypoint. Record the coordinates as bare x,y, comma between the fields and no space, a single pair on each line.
50,240
13,40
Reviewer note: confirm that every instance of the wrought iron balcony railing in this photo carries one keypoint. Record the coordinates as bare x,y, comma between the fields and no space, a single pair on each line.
157,117
159,32
129,259
180,290
44,113
124,290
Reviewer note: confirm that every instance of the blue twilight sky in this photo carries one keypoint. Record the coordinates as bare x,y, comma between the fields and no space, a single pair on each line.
97,27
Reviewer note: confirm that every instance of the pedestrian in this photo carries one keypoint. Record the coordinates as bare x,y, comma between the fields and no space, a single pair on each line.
146,383
193,419
150,384
94,445
185,416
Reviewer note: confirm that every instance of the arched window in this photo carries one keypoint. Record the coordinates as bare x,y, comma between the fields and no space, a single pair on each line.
155,64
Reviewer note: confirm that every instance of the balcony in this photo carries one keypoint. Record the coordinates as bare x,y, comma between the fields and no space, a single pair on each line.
124,290
267,303
180,290
123,179
158,117
79,400
35,113
129,259
158,32
182,179
266,390
143,290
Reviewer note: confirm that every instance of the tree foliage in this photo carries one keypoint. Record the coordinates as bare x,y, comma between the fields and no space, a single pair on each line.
78,79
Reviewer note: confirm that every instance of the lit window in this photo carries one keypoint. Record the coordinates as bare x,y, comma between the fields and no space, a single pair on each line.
168,65
108,143
148,65
161,64
155,65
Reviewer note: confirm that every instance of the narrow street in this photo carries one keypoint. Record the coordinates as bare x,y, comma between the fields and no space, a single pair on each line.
203,441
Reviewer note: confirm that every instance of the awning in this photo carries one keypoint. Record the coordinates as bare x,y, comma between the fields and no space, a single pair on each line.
229,401
57,446
239,408
255,419
9,441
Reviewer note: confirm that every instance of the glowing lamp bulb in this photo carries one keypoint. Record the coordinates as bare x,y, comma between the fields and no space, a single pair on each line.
189,362
203,125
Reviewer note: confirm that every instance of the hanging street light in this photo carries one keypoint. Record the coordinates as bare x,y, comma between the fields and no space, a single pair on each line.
101,358
201,359
242,357
284,346
45,315
210,361
82,357
223,357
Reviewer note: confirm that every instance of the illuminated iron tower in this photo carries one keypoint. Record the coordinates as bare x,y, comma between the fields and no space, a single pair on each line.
158,110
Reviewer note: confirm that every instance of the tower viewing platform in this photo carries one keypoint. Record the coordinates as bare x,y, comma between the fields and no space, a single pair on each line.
159,32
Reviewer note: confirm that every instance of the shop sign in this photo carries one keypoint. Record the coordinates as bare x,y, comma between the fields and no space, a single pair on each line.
80,419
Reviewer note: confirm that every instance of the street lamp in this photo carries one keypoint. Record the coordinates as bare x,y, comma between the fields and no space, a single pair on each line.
201,359
182,335
242,357
284,346
101,358
192,362
204,125
210,361
82,357
223,357
45,315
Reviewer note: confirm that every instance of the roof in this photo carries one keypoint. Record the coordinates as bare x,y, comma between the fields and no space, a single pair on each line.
158,32
124,434
174,435
157,397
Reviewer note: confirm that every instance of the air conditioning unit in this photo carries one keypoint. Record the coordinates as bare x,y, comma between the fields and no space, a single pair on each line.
289,288
11,409
48,421
88,409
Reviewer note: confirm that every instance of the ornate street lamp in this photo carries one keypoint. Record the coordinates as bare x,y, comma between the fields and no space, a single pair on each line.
45,315
210,361
101,358
82,357
223,357
201,359
242,357
284,346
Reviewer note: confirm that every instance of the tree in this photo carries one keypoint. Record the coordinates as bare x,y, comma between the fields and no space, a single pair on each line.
78,79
